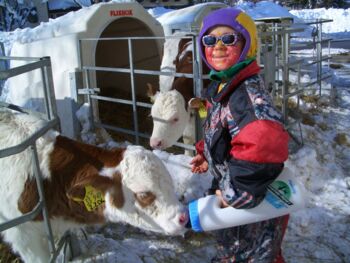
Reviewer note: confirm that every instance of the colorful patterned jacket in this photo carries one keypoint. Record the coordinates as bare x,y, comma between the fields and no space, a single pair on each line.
245,142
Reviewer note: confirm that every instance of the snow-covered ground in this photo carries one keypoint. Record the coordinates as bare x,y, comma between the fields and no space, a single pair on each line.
320,232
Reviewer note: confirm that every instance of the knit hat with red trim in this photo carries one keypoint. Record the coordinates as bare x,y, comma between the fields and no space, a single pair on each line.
237,20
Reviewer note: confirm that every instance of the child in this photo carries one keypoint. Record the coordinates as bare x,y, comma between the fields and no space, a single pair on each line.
244,144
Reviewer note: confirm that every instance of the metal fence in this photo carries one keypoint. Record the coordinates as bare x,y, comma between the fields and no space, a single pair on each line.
275,57
44,64
279,50
91,91
315,41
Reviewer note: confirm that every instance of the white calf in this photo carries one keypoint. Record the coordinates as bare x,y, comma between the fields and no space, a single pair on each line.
171,120
172,116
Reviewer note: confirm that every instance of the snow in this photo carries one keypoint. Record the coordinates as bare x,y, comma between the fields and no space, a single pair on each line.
340,18
319,233
264,9
66,4
52,28
185,15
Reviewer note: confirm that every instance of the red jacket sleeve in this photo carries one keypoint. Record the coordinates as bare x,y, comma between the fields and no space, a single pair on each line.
200,147
261,141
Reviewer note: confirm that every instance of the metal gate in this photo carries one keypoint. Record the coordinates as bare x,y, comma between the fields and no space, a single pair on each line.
279,58
50,114
91,91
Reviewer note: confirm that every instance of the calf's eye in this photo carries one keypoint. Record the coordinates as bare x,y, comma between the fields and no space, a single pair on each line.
145,198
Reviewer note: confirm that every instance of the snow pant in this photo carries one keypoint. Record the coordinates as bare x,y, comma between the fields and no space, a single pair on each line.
258,242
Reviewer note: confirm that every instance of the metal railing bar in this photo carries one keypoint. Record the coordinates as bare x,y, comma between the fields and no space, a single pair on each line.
48,89
88,91
20,58
135,38
317,61
46,94
291,94
22,69
291,123
29,141
310,43
312,21
118,129
133,91
41,192
122,101
23,218
304,85
62,241
293,63
280,32
185,146
21,109
139,71
143,135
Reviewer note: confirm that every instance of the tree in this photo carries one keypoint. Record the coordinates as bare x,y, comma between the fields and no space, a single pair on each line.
15,14
310,4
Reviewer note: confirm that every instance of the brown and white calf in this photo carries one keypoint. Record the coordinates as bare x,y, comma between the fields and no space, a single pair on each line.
84,184
172,116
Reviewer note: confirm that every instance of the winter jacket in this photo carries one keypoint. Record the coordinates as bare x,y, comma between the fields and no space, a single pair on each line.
245,142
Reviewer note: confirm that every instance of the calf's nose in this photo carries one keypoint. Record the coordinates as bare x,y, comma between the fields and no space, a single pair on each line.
155,143
183,219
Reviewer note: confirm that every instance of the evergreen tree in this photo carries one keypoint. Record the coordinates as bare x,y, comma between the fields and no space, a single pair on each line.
15,14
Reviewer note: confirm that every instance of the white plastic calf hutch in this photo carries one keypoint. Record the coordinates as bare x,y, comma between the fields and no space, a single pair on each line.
188,19
74,41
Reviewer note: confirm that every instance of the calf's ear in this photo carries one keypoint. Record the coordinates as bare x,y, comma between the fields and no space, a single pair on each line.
117,196
100,183
184,42
196,103
199,105
151,92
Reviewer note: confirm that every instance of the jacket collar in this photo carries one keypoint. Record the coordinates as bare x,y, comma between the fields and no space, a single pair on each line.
250,70
227,74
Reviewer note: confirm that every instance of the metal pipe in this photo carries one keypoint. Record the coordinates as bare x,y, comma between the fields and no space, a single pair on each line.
50,88
139,71
61,243
29,141
133,93
80,54
285,78
20,69
121,101
319,57
40,187
197,84
22,219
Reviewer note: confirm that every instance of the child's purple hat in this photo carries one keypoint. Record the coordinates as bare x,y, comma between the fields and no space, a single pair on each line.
237,20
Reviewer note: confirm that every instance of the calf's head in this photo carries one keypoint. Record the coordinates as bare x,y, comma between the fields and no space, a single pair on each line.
170,118
148,200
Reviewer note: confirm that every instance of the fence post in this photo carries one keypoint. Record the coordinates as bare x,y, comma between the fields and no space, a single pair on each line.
133,92
40,187
285,76
49,92
319,55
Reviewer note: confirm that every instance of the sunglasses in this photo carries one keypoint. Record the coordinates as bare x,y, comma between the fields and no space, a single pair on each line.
226,39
